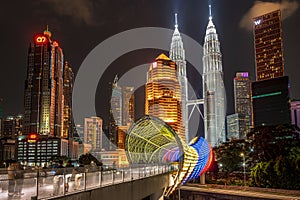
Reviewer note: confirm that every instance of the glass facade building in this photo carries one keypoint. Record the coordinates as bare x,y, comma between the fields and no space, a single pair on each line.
243,104
268,46
271,102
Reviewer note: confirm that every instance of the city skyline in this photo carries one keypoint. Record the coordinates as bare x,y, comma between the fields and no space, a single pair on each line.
233,60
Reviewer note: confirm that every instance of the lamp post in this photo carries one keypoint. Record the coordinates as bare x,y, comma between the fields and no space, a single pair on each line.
244,165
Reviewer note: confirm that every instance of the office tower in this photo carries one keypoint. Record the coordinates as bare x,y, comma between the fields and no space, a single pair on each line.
12,127
93,132
68,125
268,46
69,131
177,54
242,102
233,126
43,100
115,112
213,88
271,102
163,93
295,109
127,105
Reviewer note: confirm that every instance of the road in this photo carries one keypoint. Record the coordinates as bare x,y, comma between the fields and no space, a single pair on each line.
239,193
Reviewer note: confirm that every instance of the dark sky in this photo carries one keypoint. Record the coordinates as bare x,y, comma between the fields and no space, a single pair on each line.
80,25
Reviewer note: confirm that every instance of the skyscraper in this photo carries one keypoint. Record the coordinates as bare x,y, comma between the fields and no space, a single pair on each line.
177,54
242,102
68,125
213,88
271,102
43,100
163,93
268,46
115,112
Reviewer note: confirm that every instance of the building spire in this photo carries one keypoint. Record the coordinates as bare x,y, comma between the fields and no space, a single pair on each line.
210,16
47,32
176,23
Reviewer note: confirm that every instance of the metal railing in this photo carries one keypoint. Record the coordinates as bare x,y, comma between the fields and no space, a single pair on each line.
47,184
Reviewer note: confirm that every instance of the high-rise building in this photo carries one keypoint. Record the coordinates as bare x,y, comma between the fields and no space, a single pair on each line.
68,125
295,109
115,112
268,46
12,127
93,132
127,105
271,102
163,93
213,88
121,111
233,126
43,100
69,131
177,54
243,104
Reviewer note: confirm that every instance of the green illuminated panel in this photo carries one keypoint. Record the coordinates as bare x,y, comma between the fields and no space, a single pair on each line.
266,95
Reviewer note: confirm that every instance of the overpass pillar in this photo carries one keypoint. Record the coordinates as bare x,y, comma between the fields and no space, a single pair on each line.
202,179
157,195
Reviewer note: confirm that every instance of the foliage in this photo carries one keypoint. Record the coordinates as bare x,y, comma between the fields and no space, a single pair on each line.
229,155
86,159
55,159
277,156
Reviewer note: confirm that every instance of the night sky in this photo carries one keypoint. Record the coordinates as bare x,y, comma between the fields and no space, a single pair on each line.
80,25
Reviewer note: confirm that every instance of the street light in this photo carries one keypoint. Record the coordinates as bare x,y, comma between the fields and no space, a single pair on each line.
244,165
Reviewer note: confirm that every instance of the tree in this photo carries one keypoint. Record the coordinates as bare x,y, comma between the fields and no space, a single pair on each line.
277,157
86,159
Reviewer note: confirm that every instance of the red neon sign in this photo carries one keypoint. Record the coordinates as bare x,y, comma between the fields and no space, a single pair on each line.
33,137
40,39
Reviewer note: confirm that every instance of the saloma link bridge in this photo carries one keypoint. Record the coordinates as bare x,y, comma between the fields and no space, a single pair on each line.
150,140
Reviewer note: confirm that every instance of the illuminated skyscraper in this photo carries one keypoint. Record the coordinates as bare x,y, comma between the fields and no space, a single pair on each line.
163,93
213,88
177,54
43,100
68,126
268,46
242,101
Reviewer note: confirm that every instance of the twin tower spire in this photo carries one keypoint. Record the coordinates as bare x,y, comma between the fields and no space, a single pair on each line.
213,86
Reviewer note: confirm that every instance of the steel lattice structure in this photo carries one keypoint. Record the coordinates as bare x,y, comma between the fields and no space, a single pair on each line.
151,140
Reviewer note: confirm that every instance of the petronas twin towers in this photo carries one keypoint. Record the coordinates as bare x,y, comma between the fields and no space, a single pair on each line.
213,85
